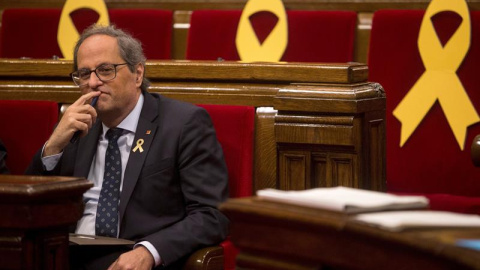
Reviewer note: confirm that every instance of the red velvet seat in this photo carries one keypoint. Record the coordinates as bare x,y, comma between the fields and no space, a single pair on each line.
234,126
33,32
431,161
25,125
313,36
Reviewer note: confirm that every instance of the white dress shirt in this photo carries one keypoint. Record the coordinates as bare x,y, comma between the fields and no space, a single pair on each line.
86,225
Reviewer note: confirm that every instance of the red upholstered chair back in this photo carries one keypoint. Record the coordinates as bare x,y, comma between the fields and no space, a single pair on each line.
25,125
431,161
234,126
313,36
33,32
29,33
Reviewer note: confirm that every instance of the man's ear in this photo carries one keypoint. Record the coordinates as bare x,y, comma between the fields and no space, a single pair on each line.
139,73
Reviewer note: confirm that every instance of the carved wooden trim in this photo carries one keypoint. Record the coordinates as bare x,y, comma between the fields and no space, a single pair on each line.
265,163
207,70
293,168
343,170
319,171
377,150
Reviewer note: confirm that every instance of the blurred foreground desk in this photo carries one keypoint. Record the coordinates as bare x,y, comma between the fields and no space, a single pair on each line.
279,236
35,214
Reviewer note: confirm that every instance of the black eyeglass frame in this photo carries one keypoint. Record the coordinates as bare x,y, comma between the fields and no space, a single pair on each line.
96,74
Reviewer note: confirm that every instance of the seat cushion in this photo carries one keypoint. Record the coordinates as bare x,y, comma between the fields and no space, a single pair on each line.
25,125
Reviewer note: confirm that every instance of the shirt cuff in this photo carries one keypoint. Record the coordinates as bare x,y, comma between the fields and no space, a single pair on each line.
51,161
152,250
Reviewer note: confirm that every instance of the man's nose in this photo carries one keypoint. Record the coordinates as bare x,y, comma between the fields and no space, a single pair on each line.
94,81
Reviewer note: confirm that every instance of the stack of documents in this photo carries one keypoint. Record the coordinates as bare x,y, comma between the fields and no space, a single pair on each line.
400,220
344,199
364,202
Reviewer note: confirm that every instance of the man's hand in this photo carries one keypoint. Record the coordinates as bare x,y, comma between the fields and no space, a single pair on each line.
79,116
138,259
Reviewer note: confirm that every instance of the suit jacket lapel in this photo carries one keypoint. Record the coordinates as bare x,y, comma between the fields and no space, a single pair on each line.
146,130
86,149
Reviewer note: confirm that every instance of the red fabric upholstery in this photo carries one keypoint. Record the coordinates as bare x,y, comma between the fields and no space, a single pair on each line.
30,33
234,126
230,253
313,36
448,202
235,132
431,161
153,27
33,32
25,126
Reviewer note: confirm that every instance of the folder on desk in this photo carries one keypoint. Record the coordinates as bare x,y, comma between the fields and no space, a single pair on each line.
93,240
401,220
344,199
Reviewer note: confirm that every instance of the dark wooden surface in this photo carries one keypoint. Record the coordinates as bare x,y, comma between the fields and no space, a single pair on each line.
209,258
316,124
475,151
36,213
206,71
279,236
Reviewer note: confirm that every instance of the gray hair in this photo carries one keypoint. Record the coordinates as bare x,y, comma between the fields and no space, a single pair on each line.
130,48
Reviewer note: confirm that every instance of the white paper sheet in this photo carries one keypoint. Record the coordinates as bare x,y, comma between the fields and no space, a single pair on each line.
344,199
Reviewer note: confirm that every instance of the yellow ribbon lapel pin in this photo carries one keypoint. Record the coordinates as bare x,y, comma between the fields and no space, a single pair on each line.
139,146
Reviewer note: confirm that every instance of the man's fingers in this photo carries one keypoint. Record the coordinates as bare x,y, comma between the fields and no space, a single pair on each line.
112,265
83,99
79,122
87,109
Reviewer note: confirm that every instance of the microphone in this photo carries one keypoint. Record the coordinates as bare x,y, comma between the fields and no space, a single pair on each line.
77,133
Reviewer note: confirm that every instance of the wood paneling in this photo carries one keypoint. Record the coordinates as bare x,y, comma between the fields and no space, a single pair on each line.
265,163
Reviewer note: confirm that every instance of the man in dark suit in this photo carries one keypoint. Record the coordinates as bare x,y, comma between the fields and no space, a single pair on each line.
172,170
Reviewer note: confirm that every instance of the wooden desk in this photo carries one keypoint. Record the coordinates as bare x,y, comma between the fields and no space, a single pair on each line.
35,215
279,236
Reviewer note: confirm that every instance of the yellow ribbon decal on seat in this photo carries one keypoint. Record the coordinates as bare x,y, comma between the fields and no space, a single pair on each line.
248,46
440,81
67,34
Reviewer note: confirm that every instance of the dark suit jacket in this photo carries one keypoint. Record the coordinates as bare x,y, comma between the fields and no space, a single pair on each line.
171,189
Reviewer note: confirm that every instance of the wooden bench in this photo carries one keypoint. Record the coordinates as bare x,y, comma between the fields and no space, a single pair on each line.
316,124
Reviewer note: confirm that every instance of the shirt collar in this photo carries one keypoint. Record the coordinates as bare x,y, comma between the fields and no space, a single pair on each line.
131,121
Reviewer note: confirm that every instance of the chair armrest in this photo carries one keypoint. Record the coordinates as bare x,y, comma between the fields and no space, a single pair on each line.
475,151
209,258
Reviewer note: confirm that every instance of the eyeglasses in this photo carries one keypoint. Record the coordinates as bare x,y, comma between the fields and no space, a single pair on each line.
105,72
